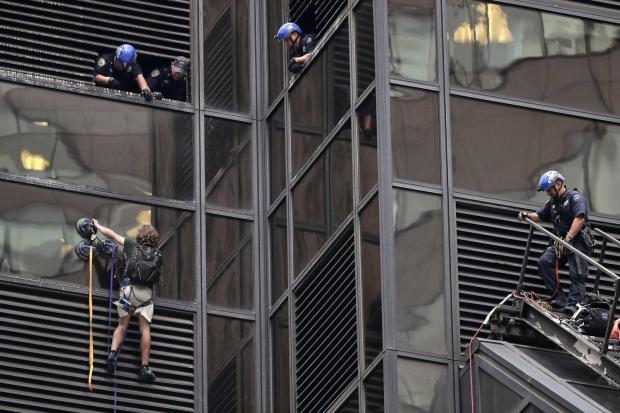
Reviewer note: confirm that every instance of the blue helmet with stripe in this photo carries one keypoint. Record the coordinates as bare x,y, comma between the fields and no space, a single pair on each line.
126,54
286,29
547,180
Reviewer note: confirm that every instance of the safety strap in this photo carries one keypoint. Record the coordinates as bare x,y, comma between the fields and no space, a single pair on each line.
91,351
110,315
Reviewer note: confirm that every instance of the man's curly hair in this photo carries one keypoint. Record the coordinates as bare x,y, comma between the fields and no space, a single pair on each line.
147,234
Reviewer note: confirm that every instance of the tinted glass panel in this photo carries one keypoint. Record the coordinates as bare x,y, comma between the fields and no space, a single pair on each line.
322,199
228,158
536,55
277,153
96,142
496,396
279,252
413,50
371,281
227,54
230,371
229,262
373,384
275,49
281,369
418,245
415,135
367,132
509,164
423,387
352,405
37,237
321,98
365,45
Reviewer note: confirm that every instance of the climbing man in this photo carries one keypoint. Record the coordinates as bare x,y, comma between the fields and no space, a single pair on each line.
568,211
120,70
142,270
299,48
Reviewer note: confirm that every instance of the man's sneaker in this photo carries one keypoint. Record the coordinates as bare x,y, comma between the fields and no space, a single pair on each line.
570,309
110,365
557,305
146,374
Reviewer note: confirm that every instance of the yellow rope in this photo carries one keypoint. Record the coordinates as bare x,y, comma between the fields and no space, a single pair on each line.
91,352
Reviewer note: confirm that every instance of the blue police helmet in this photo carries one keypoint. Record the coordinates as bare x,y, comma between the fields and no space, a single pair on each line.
286,29
547,180
126,54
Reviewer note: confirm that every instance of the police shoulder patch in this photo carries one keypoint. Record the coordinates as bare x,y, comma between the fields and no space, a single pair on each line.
101,62
155,73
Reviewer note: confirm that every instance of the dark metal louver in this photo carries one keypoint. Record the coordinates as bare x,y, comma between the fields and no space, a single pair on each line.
62,38
315,16
44,357
491,244
326,328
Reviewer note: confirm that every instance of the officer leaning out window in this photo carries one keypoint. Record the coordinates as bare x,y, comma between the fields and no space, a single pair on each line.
170,81
120,70
299,47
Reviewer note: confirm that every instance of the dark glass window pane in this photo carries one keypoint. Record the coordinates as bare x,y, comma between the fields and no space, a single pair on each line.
228,158
231,366
322,199
532,54
365,45
496,396
423,387
415,135
227,54
367,132
413,50
37,237
96,142
275,49
373,384
277,153
509,163
229,262
418,245
321,98
351,405
281,366
371,281
279,252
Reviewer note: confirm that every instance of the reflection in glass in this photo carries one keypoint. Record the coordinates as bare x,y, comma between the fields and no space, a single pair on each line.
371,281
423,387
373,386
37,237
413,50
231,367
96,142
322,199
228,159
496,396
367,132
418,252
532,54
281,366
585,151
279,252
415,134
321,97
277,153
351,405
365,45
227,54
274,50
229,262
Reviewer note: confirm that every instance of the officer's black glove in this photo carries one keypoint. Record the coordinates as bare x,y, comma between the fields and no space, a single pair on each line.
114,83
522,216
147,95
157,95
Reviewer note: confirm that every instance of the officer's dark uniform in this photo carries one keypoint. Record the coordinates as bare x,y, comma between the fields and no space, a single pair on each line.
160,80
126,78
307,44
561,212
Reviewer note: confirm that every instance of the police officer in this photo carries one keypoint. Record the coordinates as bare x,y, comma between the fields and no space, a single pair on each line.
169,81
299,48
119,70
568,211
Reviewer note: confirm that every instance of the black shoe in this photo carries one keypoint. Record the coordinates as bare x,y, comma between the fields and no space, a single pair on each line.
570,309
557,305
146,374
110,365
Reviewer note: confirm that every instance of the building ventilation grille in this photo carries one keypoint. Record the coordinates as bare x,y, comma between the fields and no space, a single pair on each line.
491,244
62,38
316,16
326,328
44,357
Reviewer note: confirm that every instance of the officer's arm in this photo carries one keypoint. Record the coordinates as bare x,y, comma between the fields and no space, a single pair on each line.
575,227
109,233
153,82
101,80
141,82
